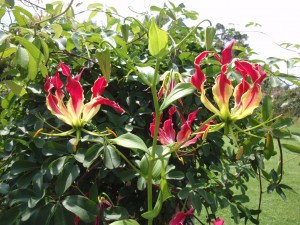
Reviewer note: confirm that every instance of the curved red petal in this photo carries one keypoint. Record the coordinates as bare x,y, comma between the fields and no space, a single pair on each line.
246,68
227,53
76,95
64,69
99,86
199,77
184,133
104,101
52,103
240,89
167,133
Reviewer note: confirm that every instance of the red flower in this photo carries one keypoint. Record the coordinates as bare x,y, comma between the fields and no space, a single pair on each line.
75,112
247,96
218,221
166,134
180,217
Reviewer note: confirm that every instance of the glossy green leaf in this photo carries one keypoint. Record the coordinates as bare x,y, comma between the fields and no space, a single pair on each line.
125,222
158,41
209,37
91,155
111,158
148,73
65,179
131,141
267,108
57,30
22,166
180,90
115,213
103,57
57,165
22,57
62,216
86,209
32,49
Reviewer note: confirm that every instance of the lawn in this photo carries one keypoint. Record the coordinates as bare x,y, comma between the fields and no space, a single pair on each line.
276,211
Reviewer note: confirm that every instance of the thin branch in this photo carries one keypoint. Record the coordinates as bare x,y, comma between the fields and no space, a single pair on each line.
35,5
53,17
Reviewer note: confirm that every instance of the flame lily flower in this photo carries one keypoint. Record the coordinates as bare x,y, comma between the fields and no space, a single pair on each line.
75,112
166,134
180,217
218,221
247,95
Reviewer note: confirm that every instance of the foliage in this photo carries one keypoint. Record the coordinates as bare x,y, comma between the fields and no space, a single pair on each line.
116,172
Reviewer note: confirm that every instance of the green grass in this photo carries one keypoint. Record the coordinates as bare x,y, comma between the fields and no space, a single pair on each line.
276,211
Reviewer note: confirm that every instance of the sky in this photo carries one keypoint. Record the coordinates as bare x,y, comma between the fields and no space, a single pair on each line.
279,19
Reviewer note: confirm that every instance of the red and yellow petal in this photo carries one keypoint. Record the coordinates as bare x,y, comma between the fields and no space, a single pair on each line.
99,87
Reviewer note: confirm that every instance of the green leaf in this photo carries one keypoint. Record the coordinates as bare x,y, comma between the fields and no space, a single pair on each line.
292,148
32,68
16,88
86,209
32,49
91,155
22,57
158,205
209,37
57,30
125,222
111,159
180,90
11,215
148,73
3,36
103,57
57,165
62,216
125,31
158,41
196,201
131,141
22,166
267,108
235,213
115,213
4,188
8,51
65,179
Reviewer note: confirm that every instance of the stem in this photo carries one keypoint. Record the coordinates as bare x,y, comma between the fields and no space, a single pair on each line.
53,17
154,143
260,193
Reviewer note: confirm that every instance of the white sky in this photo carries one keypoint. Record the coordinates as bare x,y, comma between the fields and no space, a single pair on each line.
279,19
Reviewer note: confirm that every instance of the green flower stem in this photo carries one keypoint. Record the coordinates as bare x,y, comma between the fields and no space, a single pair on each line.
154,143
